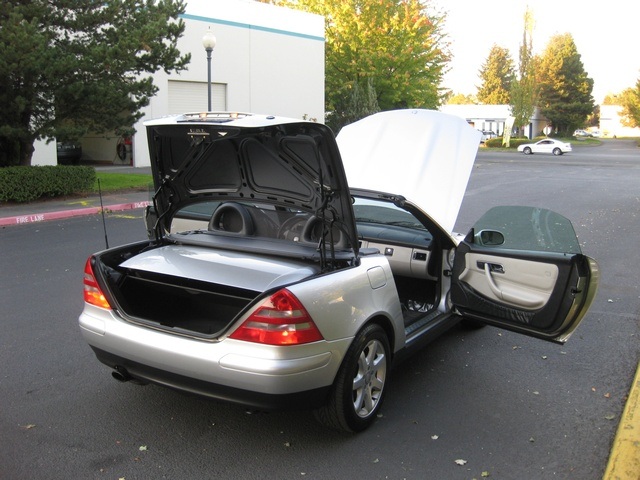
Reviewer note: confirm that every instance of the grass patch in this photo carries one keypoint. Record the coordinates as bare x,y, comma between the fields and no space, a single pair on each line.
584,141
110,182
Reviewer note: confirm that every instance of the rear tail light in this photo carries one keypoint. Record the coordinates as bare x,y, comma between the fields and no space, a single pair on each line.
279,320
92,292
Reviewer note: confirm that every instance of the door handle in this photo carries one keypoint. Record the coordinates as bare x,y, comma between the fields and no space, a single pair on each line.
493,267
522,298
492,284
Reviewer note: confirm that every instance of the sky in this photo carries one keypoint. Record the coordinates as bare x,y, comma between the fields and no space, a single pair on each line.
604,32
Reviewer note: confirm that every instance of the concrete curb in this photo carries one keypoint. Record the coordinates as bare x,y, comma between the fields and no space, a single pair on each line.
624,460
41,217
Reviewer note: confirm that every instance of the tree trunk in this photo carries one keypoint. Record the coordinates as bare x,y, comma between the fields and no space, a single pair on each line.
26,152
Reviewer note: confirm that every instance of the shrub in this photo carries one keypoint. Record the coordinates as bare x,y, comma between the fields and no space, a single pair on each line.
514,142
25,184
493,142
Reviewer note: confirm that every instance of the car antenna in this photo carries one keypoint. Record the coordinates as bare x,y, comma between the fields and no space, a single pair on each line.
104,225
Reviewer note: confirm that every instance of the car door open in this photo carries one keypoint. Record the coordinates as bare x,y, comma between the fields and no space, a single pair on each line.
522,269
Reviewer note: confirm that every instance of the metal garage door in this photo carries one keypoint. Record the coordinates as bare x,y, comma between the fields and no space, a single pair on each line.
192,97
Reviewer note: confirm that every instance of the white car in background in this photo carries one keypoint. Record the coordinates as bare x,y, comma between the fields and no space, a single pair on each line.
581,133
487,135
546,145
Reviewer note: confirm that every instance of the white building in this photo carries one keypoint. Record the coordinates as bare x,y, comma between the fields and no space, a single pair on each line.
267,59
611,124
494,117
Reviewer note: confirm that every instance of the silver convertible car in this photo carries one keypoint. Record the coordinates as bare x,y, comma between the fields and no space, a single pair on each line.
287,268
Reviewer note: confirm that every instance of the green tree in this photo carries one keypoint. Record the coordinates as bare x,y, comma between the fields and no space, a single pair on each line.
593,120
565,88
395,44
497,74
629,99
360,103
524,91
612,99
461,99
72,66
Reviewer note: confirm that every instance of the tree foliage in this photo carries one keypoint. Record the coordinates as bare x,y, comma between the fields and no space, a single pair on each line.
629,99
612,99
397,45
360,103
461,99
565,88
524,92
497,74
73,66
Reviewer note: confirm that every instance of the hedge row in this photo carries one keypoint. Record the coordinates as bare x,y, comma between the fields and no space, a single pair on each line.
514,142
25,184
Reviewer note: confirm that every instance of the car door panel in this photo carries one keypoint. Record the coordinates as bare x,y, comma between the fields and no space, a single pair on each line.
534,280
517,282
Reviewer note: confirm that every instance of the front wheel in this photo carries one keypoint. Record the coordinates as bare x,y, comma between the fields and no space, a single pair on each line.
527,151
557,151
358,390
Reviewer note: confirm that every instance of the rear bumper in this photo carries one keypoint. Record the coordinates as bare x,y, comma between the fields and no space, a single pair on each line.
261,376
143,373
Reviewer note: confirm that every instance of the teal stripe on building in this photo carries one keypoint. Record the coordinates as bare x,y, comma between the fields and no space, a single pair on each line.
250,27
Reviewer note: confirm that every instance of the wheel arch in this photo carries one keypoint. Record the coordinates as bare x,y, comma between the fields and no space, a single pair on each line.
386,325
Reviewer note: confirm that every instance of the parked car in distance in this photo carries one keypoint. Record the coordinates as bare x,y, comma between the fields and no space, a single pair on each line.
487,135
284,270
581,133
546,145
68,153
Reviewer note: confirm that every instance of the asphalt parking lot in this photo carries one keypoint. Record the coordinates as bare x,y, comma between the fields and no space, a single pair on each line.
503,405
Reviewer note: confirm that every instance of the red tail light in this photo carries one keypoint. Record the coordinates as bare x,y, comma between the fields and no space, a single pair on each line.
279,320
92,292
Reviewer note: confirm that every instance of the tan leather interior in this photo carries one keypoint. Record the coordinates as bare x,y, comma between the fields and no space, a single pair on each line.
520,283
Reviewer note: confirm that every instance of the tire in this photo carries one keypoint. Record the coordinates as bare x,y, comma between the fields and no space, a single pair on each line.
557,151
359,387
121,150
527,151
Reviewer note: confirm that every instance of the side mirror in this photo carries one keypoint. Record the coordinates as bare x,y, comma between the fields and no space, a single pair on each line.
489,238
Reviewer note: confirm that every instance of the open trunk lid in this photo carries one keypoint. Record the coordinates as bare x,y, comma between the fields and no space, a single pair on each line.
242,157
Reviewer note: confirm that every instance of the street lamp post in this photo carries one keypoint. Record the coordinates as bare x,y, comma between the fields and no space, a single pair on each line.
209,42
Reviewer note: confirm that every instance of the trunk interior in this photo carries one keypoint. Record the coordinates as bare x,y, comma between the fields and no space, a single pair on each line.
179,304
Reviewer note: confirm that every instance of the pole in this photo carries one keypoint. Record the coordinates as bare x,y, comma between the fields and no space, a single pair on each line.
209,50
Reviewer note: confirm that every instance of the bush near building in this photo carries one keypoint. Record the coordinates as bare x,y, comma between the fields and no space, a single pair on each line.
514,142
25,184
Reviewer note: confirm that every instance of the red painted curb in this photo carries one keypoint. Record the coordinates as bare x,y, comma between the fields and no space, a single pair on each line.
45,216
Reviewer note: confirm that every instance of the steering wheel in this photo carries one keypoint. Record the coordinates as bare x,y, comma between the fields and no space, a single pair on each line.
291,228
312,233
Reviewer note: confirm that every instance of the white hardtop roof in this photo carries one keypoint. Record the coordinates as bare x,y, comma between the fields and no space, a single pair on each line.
424,155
